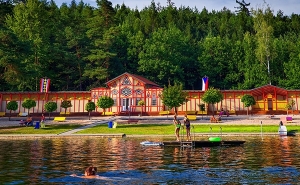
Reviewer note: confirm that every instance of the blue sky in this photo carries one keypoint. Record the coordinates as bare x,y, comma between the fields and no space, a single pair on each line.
287,6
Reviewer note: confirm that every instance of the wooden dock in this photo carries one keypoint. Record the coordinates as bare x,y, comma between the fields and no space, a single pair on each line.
206,143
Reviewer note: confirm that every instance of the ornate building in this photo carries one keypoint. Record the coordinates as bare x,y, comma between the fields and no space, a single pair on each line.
128,89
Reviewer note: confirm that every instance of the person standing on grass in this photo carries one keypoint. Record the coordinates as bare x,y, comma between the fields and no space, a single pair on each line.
42,118
187,124
177,127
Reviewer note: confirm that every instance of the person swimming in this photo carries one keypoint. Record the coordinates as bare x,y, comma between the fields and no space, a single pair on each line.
90,171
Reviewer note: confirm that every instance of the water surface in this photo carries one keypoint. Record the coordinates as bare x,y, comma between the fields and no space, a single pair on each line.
271,160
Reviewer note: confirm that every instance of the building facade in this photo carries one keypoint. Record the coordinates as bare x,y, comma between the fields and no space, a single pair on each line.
128,89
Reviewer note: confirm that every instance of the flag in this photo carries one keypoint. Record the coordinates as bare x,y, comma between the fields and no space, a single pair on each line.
44,85
204,83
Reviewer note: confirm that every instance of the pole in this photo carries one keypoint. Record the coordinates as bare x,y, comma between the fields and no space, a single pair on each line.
261,133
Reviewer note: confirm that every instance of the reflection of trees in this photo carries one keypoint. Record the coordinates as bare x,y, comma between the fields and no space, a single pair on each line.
33,158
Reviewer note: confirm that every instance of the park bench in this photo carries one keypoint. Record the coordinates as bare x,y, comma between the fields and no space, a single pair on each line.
59,119
165,112
115,123
202,112
192,117
190,112
108,113
232,112
2,114
64,113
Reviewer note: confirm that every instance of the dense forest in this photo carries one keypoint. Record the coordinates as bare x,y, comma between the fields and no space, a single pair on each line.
80,47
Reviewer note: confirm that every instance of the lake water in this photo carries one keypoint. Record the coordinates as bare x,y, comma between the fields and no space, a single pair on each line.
267,160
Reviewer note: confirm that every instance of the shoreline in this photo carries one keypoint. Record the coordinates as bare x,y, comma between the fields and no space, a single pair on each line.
86,123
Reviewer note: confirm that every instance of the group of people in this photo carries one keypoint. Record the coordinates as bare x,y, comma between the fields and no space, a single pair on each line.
187,125
29,120
223,112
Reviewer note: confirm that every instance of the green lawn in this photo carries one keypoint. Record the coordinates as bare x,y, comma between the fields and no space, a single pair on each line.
143,129
50,129
168,129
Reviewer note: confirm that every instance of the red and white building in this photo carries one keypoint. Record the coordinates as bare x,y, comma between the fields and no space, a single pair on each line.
128,89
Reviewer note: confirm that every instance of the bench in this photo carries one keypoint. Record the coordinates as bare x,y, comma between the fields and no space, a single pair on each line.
232,112
165,112
108,113
2,114
289,119
202,112
191,117
126,122
190,112
59,119
23,114
64,113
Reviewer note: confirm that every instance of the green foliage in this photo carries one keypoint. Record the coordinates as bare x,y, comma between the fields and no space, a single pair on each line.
50,106
173,96
236,50
66,104
141,103
174,59
12,105
28,104
90,106
212,96
105,102
290,105
202,106
248,100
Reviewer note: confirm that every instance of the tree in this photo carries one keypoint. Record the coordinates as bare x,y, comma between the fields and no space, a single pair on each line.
212,96
50,107
173,59
90,106
290,105
105,102
12,105
202,108
28,104
248,101
264,35
242,7
66,104
173,96
141,103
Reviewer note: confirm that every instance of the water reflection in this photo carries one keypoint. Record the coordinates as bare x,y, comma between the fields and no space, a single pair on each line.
273,160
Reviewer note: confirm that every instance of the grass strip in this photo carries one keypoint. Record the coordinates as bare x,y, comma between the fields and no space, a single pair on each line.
168,129
49,129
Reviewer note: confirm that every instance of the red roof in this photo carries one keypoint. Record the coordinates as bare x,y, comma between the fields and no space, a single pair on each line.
268,89
138,77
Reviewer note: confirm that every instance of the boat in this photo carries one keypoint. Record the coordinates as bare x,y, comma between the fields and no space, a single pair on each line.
150,143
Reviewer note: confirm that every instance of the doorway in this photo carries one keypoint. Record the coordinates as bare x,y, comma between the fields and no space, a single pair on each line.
270,104
126,104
